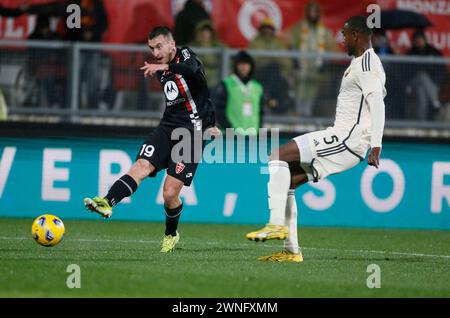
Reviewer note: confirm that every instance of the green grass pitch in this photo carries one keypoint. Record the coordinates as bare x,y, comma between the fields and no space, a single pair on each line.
122,259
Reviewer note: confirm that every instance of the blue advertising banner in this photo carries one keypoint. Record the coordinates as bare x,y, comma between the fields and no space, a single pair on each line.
411,189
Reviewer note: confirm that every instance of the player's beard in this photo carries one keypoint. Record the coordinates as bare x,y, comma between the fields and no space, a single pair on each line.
350,50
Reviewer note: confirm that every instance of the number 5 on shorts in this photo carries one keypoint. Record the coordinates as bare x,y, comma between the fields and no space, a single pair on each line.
334,138
147,150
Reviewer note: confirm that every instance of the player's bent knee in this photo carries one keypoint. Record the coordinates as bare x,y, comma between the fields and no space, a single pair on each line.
170,195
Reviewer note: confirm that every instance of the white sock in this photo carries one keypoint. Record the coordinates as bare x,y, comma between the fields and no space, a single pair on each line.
278,187
291,243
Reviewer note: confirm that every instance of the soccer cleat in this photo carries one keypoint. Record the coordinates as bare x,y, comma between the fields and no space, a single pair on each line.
283,256
169,242
98,205
269,232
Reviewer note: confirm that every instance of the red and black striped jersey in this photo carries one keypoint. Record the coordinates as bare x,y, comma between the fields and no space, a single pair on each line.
188,102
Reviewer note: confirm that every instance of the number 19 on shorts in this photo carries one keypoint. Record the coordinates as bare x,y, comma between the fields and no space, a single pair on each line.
147,150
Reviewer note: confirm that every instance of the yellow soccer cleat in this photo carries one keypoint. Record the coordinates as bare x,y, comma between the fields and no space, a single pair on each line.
283,256
98,205
269,232
169,242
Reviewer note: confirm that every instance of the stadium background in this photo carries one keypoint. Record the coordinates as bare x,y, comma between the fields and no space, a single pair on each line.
77,111
411,190
129,21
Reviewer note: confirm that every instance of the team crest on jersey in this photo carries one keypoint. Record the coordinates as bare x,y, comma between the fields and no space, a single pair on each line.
179,167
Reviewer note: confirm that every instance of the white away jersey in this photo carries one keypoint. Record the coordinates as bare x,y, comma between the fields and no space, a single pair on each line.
365,75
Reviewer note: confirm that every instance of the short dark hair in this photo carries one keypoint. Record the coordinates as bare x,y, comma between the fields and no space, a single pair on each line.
419,34
243,57
159,30
358,23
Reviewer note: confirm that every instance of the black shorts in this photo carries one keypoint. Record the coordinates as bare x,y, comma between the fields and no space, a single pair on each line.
177,149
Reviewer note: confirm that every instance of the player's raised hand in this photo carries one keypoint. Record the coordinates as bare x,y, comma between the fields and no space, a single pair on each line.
151,69
374,157
213,132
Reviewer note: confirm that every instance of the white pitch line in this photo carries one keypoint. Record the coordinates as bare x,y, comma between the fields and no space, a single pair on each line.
377,252
252,245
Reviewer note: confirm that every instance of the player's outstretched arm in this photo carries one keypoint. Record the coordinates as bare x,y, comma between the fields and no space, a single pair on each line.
151,69
376,107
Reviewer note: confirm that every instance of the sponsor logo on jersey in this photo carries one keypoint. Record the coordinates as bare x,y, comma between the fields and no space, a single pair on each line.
179,167
171,90
176,101
189,175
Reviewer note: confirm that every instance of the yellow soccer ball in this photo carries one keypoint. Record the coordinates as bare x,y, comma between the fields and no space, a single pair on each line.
47,230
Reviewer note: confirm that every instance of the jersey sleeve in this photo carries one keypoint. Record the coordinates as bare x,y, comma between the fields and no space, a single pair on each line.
377,115
371,79
371,82
188,66
370,74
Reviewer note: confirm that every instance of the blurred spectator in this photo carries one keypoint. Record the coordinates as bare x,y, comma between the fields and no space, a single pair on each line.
11,12
421,47
395,84
426,78
380,42
47,65
272,72
94,22
238,99
445,100
267,39
42,30
186,21
3,107
205,37
310,36
44,68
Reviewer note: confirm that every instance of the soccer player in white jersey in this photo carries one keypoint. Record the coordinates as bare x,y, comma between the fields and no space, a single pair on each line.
358,127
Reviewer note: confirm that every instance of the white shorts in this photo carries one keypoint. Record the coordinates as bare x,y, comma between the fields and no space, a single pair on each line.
326,152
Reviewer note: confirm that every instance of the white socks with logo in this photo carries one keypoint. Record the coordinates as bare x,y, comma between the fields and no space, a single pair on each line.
278,187
291,243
